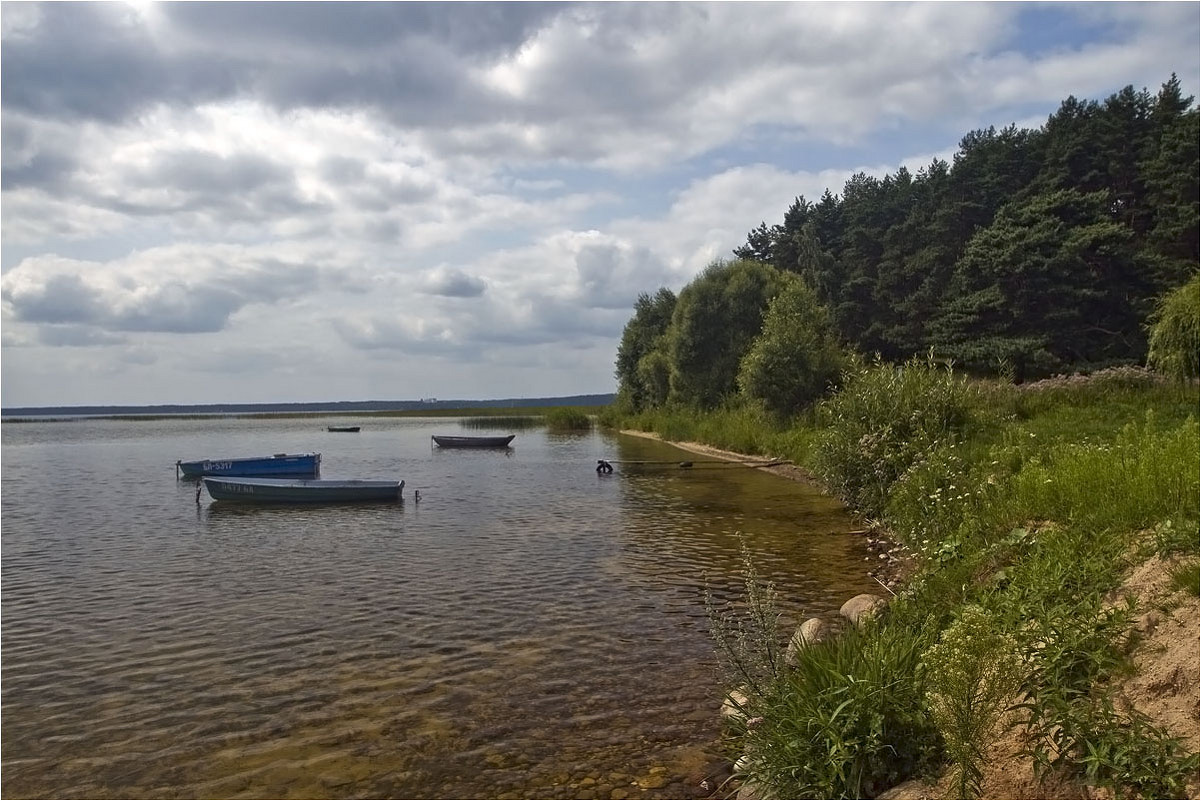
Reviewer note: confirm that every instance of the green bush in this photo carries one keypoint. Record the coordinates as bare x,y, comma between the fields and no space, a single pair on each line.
883,421
715,320
1175,341
940,502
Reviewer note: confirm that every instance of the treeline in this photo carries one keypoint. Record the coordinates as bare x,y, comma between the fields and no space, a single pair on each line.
1033,252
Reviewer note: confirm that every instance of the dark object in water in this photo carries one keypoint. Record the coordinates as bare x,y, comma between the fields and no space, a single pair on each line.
472,442
279,465
280,490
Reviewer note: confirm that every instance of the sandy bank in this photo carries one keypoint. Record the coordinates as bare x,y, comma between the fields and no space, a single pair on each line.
786,470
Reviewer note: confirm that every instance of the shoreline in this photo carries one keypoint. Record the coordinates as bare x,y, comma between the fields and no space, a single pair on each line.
790,471
897,561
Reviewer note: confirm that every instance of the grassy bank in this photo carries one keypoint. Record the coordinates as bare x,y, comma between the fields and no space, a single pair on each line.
1024,509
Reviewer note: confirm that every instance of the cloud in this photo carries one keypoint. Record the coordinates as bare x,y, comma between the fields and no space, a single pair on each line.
617,85
79,336
97,61
452,283
176,290
461,182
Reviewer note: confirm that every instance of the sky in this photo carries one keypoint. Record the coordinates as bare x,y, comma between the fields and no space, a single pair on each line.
275,202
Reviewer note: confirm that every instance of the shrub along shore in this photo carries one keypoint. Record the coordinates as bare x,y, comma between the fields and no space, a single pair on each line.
1020,639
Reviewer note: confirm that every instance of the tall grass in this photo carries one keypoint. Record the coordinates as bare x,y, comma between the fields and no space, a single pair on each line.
741,428
1138,478
972,672
510,422
568,419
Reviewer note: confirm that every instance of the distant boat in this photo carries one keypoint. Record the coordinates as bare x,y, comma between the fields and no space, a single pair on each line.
346,429
281,464
472,442
282,490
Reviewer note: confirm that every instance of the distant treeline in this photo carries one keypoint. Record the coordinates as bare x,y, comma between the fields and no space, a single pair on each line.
1033,252
332,407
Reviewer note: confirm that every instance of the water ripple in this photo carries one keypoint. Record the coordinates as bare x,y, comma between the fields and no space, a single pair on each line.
528,630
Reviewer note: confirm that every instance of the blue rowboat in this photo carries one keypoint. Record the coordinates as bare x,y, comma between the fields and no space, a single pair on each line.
472,442
282,490
280,465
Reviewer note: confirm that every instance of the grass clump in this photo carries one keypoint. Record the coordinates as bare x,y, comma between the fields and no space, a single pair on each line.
1187,576
848,722
567,418
746,633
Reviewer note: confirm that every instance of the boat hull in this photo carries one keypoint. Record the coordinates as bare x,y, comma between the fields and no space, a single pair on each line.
472,442
278,490
293,465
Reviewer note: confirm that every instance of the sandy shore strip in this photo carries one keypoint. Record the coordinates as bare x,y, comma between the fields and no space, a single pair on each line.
790,471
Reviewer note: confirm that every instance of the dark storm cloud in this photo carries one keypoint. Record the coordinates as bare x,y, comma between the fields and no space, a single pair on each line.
481,28
27,160
45,170
453,283
342,169
204,172
101,61
95,61
180,309
62,298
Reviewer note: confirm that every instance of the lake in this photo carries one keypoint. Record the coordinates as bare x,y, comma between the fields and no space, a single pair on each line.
528,629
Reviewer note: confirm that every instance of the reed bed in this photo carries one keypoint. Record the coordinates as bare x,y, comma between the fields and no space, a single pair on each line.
510,422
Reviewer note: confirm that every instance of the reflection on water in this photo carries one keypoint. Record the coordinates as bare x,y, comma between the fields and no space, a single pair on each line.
529,629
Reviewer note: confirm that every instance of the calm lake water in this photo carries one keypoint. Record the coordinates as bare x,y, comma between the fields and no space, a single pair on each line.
529,629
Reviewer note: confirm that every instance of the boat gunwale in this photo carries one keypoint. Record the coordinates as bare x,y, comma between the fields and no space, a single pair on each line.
462,441
294,490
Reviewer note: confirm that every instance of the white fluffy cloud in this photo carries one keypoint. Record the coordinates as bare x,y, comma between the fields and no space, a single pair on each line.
220,201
